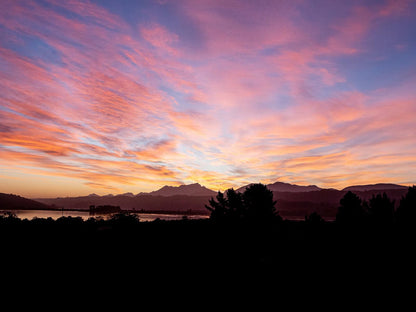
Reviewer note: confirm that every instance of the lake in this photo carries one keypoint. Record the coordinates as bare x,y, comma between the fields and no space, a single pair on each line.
85,215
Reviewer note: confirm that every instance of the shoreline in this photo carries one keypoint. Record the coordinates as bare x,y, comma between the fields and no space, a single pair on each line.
179,212
156,212
86,214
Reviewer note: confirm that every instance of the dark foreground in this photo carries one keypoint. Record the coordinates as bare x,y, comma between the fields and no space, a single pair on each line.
123,252
199,244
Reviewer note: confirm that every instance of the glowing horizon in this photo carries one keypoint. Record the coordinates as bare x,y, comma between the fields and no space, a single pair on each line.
128,96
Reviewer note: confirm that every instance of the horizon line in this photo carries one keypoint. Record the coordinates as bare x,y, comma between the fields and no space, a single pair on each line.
220,190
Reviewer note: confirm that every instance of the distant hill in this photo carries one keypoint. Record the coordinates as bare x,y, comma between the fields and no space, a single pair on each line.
286,187
293,188
190,190
15,202
375,187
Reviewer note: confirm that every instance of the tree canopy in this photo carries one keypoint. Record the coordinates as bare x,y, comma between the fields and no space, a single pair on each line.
381,209
255,204
406,212
350,209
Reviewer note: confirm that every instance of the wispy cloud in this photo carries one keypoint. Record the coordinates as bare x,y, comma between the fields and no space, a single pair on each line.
221,93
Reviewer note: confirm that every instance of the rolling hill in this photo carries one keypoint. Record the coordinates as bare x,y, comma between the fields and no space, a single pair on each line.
15,202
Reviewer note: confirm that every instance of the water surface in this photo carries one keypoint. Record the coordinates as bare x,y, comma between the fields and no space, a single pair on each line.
85,215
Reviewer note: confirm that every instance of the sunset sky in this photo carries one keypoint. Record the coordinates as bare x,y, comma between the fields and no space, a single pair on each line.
127,96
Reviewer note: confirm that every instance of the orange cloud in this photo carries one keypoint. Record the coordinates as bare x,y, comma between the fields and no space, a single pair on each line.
248,92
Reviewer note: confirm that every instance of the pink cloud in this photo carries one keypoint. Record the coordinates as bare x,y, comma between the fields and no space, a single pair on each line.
235,26
102,108
263,95
159,37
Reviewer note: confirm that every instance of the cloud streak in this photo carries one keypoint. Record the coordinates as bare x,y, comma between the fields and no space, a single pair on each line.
211,92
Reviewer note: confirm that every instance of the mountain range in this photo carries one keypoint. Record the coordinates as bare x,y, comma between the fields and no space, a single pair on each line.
294,201
197,189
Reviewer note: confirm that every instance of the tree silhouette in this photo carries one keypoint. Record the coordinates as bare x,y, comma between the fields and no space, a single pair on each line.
235,204
314,218
259,203
255,204
229,206
406,212
219,208
381,209
351,210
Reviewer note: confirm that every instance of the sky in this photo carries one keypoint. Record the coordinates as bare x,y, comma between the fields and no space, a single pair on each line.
127,96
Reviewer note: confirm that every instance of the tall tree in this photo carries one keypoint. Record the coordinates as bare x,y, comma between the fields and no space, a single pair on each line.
406,212
259,203
381,209
350,210
219,208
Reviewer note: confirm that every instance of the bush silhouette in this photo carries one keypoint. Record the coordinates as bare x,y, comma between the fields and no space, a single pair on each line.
124,220
314,218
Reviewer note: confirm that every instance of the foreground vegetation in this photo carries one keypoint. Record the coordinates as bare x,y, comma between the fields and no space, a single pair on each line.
244,234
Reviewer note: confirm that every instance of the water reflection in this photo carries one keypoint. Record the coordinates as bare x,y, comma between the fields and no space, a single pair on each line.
85,215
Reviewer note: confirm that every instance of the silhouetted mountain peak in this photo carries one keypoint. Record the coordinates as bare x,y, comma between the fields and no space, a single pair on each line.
375,187
191,185
194,189
93,195
128,194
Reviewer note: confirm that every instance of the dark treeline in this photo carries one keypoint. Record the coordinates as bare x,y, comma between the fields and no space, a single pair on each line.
256,205
244,233
379,210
